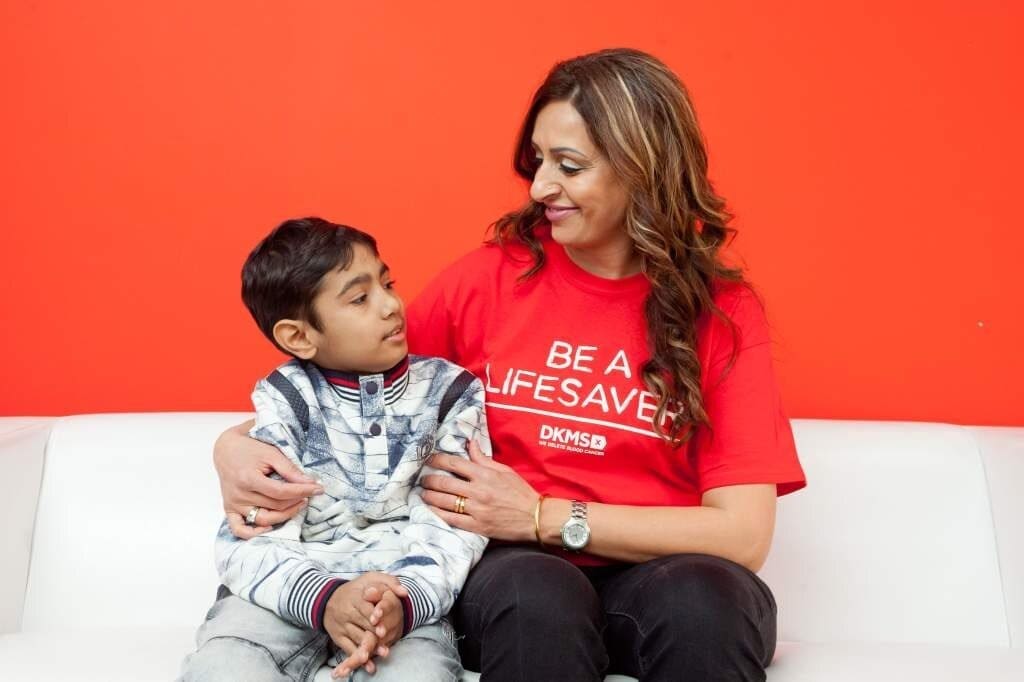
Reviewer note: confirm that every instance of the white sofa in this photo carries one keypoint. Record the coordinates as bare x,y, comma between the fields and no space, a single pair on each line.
902,560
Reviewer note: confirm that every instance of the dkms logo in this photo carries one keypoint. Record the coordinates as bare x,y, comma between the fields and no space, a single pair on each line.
581,439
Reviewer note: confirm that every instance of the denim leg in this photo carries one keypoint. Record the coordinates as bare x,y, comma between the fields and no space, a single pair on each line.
527,615
689,617
427,654
242,641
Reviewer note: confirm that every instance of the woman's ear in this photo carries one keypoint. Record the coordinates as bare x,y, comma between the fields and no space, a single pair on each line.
294,337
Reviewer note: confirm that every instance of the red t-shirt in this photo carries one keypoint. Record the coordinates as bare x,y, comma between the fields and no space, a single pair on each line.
559,355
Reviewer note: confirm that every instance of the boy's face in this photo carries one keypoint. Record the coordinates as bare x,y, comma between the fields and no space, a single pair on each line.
362,317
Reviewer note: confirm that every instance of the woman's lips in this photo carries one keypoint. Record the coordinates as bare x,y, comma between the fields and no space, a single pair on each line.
556,213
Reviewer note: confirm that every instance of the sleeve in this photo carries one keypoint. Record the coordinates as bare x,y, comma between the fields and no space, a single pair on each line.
436,557
272,570
428,319
750,439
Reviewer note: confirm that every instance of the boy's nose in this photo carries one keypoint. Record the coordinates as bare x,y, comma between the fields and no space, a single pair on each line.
392,304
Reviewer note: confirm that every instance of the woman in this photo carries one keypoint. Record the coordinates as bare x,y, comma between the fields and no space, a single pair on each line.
639,441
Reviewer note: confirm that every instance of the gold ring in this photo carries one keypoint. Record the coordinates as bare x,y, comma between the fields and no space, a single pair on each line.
460,504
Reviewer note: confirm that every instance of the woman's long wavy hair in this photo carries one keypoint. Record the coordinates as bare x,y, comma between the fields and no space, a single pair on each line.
640,117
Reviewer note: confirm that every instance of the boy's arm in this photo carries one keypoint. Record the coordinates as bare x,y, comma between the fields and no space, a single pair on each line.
272,570
437,558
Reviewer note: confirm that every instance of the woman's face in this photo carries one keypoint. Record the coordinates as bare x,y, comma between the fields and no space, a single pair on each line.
584,200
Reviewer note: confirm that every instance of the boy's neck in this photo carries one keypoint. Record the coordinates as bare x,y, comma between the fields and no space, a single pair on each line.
347,377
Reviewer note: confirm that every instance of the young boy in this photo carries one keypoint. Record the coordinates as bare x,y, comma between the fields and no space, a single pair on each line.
365,563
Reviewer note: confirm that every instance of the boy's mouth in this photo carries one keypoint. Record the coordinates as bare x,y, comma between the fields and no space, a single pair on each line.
396,334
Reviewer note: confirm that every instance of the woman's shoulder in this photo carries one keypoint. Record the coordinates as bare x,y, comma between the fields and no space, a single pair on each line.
735,296
743,308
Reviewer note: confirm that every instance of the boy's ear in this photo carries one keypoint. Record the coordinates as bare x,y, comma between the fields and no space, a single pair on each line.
293,336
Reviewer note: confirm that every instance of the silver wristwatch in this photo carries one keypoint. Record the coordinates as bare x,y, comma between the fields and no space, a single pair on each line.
576,531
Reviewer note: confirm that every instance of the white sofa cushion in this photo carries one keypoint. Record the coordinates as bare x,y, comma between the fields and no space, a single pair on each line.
891,541
895,541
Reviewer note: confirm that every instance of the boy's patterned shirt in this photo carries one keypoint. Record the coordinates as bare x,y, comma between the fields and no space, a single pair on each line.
367,441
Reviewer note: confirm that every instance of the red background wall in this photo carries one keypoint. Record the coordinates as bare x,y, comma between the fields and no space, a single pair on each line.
869,150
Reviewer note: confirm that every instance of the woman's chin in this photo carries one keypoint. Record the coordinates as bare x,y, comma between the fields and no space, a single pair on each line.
565,235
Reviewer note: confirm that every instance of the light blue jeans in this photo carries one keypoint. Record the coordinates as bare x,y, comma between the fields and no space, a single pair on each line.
242,641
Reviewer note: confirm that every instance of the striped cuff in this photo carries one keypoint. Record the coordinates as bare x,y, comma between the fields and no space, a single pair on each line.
308,597
406,615
418,605
320,603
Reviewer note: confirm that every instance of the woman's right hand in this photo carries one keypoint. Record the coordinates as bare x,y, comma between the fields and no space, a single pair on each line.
244,465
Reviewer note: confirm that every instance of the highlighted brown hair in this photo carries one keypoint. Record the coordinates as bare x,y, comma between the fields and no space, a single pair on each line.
640,117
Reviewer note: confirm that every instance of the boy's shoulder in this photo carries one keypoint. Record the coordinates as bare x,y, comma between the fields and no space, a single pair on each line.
296,371
291,379
435,368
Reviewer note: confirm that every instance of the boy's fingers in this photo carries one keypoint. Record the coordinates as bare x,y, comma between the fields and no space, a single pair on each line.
383,651
346,645
368,644
357,620
355,633
385,582
389,602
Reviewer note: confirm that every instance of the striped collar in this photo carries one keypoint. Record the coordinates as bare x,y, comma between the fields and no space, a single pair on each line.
350,385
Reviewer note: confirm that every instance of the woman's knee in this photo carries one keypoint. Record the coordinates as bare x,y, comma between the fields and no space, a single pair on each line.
539,616
693,612
696,593
534,587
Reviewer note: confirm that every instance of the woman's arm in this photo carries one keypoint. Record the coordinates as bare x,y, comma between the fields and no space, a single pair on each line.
243,466
733,522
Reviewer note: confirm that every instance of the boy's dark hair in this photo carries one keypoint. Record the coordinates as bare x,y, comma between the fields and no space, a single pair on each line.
282,275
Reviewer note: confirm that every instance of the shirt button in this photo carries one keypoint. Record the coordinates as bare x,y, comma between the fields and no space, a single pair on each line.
375,429
371,387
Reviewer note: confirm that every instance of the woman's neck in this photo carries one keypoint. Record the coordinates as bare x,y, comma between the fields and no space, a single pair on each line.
616,263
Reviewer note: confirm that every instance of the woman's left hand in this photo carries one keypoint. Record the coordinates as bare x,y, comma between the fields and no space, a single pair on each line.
499,503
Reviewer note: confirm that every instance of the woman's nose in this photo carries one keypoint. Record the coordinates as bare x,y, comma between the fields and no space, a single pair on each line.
543,187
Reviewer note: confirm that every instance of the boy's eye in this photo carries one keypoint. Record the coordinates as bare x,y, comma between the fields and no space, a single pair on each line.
390,285
360,300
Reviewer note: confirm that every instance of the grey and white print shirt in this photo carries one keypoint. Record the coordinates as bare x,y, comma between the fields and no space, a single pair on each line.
366,438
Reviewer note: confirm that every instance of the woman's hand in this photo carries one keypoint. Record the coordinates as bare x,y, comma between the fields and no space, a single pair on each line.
243,466
499,503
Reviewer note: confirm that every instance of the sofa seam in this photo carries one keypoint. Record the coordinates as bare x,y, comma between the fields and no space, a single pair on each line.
35,519
995,535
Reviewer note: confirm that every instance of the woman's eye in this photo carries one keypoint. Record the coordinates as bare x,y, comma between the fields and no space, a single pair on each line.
569,170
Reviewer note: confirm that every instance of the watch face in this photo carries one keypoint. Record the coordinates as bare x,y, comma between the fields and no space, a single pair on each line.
575,534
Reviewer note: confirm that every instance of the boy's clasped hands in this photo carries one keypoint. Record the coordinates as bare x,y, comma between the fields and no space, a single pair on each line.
364,617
